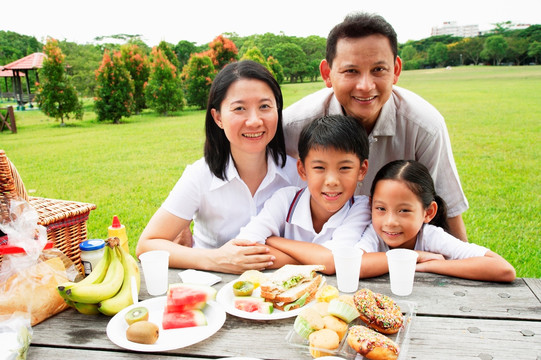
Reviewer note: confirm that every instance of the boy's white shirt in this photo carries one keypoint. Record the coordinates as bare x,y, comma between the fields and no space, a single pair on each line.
430,238
344,228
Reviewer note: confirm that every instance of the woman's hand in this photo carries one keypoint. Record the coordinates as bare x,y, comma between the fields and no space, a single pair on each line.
238,255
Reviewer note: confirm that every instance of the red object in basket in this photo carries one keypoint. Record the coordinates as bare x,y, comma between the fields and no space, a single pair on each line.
8,249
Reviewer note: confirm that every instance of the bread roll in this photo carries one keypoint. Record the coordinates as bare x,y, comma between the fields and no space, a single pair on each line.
34,290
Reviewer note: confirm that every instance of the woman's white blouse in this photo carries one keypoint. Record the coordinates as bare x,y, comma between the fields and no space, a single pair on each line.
220,208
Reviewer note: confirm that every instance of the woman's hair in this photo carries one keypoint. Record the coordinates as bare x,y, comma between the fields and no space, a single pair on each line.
358,25
217,147
416,176
339,132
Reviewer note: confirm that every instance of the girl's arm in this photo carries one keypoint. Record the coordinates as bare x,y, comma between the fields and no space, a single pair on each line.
491,267
373,264
303,253
235,256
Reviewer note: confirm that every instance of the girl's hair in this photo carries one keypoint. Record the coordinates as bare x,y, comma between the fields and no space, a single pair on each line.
358,25
417,177
217,147
339,132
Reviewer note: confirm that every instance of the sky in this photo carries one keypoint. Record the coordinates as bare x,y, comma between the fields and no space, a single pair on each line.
200,21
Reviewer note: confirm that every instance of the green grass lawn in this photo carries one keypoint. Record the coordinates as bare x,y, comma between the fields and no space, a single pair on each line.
493,116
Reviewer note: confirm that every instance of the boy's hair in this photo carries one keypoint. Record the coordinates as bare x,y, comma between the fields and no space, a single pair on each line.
339,132
417,178
358,25
217,146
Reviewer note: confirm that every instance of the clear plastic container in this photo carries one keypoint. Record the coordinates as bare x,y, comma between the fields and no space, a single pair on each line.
344,351
91,253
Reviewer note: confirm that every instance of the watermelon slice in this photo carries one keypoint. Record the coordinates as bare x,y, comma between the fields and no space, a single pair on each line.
253,304
188,318
182,297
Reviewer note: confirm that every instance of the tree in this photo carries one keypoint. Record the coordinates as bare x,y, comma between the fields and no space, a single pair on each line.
163,92
534,50
222,51
57,98
471,48
495,48
198,75
437,54
82,62
184,49
170,54
292,59
255,54
114,93
276,68
518,49
137,64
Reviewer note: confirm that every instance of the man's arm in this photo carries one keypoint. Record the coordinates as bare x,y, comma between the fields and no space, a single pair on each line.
457,228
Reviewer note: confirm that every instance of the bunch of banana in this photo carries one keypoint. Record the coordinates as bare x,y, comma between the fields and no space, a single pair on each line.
108,288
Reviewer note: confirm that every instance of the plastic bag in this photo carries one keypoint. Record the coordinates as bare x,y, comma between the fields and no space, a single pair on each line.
15,336
31,269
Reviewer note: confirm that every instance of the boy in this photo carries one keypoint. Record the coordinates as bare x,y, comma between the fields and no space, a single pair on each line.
304,224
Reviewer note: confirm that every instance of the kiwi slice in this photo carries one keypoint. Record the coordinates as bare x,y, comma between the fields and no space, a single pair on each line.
136,314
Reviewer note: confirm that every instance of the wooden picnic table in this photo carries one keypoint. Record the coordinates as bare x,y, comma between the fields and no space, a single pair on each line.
454,319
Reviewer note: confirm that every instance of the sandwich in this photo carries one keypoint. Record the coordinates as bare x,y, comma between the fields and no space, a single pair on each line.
292,286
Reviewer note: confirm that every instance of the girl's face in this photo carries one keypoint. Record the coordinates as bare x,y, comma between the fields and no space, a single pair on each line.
398,214
332,177
248,115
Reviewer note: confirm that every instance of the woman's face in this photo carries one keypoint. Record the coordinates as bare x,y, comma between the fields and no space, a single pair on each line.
248,115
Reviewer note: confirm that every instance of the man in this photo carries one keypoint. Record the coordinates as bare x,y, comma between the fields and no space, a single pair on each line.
360,71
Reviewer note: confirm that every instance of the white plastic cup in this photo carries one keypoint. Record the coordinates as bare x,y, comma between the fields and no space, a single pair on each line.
155,266
347,262
402,264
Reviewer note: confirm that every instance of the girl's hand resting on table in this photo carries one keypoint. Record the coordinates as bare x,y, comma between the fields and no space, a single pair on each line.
238,255
425,256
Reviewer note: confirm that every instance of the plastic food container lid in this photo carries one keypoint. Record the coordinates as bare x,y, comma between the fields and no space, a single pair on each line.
92,244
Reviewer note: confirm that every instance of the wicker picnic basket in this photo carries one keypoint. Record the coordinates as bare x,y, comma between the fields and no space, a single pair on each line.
65,220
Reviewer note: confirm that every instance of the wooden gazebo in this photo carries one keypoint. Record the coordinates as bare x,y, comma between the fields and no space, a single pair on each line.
20,68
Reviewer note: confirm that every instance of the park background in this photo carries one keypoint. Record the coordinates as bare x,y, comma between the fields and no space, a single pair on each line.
492,113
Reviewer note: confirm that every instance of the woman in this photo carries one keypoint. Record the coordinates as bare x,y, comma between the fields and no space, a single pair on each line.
244,163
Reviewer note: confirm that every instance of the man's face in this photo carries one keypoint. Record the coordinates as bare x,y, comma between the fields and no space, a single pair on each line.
362,75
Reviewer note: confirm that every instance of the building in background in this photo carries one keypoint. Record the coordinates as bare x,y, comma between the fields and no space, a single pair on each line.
451,28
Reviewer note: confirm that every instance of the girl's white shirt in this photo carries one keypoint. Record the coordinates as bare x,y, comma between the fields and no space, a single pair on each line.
220,208
430,238
343,228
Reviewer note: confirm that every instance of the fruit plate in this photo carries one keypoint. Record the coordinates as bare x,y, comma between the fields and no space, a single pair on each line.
226,298
344,351
168,339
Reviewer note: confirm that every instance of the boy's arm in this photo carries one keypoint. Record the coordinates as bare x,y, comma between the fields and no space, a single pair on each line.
491,267
302,252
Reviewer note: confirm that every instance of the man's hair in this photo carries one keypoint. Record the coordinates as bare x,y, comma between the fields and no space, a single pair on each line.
339,132
357,25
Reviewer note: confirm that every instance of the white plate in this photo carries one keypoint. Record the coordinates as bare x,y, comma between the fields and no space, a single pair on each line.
168,339
226,297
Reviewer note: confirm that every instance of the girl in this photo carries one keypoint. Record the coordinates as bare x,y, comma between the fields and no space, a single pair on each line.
407,213
244,164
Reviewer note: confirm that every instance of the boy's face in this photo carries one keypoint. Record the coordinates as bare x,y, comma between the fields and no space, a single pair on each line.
332,177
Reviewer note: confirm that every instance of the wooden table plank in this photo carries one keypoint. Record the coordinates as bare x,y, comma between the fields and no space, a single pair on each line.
535,286
431,338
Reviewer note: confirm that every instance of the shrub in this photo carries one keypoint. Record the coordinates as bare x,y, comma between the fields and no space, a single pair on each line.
198,75
114,93
56,96
163,92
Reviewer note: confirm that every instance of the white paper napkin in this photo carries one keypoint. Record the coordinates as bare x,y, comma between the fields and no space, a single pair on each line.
191,276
